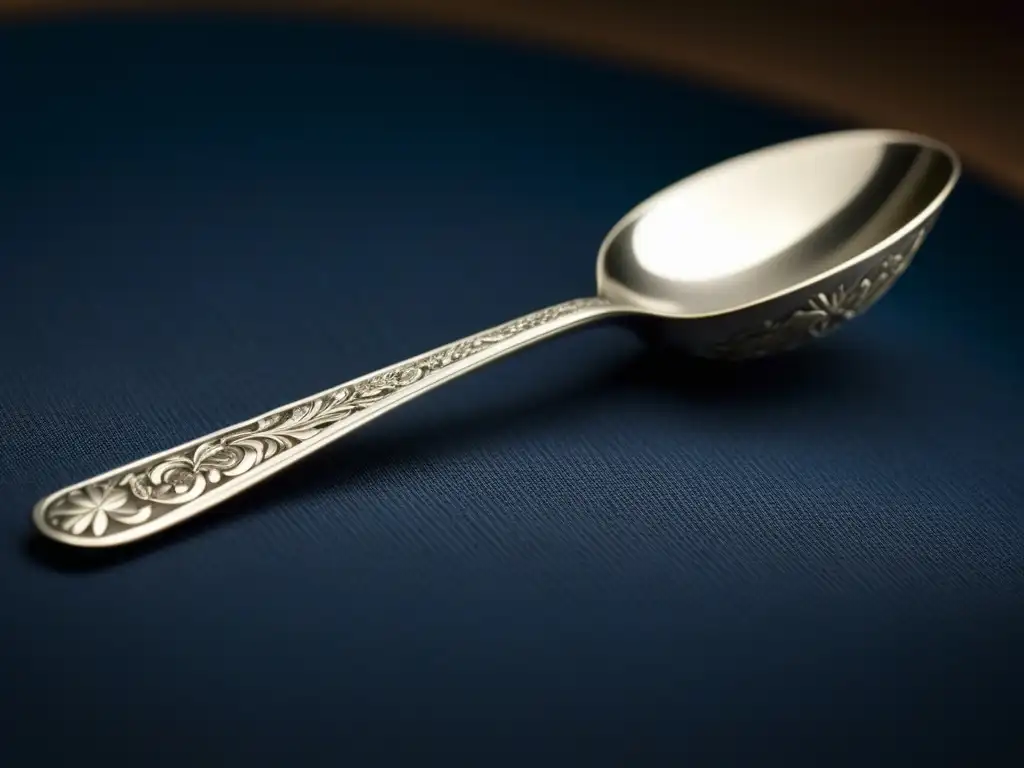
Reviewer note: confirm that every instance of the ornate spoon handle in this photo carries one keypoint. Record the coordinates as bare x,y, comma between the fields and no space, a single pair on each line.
154,493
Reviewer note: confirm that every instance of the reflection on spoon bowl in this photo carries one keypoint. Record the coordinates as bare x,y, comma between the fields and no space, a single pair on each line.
771,249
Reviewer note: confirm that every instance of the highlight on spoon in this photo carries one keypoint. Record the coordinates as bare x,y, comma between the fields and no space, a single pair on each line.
774,221
695,232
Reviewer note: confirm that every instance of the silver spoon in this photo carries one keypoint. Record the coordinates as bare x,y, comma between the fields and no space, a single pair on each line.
753,256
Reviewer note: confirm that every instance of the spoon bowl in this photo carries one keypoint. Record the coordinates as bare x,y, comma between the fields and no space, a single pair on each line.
769,250
756,255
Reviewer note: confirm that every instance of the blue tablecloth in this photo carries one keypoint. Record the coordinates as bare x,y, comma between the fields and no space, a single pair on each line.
589,552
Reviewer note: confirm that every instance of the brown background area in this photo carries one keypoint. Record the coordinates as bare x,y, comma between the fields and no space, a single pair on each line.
953,71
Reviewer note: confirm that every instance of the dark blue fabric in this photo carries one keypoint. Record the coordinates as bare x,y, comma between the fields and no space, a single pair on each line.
588,552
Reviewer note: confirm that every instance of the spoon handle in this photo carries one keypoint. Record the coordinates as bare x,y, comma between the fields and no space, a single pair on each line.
162,490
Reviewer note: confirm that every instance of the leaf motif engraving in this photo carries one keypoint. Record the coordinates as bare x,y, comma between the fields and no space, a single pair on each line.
140,496
823,313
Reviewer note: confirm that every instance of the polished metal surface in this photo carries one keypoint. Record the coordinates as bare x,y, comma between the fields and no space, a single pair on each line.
754,256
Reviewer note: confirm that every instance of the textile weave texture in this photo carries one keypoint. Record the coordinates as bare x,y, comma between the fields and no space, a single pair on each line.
590,551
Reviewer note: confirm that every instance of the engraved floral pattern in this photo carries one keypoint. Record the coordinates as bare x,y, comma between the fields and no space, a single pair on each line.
139,496
824,313
91,509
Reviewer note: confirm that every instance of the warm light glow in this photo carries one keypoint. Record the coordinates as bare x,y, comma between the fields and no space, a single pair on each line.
693,232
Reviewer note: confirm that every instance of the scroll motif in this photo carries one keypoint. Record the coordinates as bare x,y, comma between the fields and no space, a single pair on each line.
139,496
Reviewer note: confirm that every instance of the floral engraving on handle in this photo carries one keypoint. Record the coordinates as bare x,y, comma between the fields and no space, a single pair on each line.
90,510
822,314
137,497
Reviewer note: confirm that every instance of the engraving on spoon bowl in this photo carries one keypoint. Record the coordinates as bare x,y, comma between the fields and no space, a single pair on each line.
822,314
137,497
